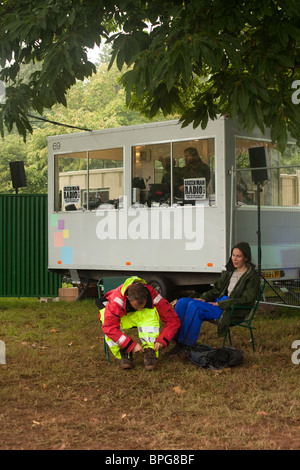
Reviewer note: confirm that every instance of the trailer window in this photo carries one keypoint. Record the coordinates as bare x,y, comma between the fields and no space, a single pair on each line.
282,186
173,173
87,180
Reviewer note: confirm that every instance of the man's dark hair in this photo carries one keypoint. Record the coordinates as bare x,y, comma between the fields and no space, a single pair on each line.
137,291
193,152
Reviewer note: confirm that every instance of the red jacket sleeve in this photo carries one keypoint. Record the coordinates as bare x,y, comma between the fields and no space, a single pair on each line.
114,311
168,316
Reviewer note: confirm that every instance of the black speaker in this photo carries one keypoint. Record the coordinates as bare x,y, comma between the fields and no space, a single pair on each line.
259,159
17,174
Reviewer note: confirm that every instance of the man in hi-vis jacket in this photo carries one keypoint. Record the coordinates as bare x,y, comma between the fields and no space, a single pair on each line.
137,304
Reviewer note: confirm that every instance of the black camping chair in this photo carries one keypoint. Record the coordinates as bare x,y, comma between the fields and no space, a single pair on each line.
247,322
105,285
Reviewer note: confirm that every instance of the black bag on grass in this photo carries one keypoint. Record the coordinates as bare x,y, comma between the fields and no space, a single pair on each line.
208,357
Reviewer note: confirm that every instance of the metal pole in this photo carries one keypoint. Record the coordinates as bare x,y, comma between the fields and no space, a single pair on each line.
231,210
258,230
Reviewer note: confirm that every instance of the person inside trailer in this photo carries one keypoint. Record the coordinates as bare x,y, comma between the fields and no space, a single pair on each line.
194,167
177,176
239,284
137,304
242,195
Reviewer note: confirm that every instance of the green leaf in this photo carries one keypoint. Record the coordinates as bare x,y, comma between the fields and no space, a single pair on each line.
204,122
279,132
285,59
250,117
293,31
120,59
262,89
187,68
259,118
72,16
243,96
113,57
233,55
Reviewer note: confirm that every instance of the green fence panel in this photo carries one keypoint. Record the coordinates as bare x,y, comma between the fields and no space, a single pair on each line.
24,247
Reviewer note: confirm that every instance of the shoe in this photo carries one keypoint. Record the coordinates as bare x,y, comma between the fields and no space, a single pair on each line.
177,349
126,360
149,359
180,352
184,354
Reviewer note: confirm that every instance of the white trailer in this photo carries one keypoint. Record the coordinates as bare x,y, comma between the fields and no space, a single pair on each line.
121,203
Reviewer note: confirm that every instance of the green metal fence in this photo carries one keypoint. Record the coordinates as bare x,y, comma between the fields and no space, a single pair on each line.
24,247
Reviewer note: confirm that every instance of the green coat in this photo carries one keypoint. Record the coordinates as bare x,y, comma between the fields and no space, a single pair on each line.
245,293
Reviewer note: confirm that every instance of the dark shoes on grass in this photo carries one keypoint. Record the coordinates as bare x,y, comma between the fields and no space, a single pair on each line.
126,360
149,359
179,352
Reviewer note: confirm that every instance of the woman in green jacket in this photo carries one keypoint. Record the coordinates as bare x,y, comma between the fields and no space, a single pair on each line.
239,284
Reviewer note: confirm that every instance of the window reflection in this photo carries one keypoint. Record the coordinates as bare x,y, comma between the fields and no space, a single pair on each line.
282,187
87,180
173,173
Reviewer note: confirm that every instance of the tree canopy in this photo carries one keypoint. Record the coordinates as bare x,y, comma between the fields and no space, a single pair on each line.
96,103
196,58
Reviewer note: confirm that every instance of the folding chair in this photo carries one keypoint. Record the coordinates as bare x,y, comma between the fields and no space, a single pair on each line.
105,285
109,283
247,322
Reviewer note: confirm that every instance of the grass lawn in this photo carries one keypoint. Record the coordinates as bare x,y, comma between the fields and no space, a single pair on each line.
57,390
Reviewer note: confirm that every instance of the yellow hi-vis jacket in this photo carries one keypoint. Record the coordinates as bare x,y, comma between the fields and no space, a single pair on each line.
119,307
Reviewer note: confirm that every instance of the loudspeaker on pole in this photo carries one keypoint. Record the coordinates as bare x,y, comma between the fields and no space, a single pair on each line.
18,176
259,159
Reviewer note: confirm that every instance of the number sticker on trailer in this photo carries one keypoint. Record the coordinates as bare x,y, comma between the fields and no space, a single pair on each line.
272,274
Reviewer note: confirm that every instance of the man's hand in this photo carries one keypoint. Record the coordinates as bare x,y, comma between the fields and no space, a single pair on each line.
158,346
137,349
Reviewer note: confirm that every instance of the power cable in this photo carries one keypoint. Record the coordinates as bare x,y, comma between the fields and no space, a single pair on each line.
58,123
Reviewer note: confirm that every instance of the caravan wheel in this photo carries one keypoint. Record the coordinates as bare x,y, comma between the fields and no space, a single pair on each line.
162,285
